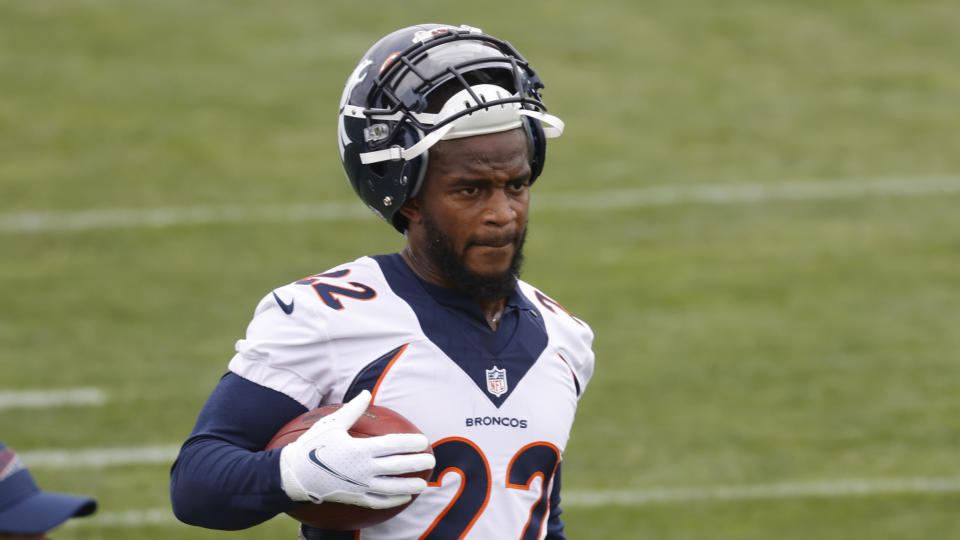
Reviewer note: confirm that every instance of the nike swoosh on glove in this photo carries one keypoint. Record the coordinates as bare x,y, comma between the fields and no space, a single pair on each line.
327,464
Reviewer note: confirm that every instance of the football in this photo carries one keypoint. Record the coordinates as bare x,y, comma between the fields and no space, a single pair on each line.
374,421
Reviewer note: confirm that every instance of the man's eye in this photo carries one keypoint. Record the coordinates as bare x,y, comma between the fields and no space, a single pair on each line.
472,190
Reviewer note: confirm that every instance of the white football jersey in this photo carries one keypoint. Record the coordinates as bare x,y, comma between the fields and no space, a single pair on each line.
497,406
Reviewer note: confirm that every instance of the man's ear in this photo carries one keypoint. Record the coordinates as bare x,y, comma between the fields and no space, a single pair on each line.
411,211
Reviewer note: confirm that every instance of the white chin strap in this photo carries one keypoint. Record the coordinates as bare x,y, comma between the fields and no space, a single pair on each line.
493,119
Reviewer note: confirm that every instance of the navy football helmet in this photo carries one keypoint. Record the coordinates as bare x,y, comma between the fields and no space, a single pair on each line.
427,83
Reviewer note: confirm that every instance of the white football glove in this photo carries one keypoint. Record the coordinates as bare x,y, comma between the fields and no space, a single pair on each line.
327,464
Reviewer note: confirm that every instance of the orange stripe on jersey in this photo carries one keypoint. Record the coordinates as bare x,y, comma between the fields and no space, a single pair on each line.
576,383
373,394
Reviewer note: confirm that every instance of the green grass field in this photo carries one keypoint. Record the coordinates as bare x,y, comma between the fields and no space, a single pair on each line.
752,331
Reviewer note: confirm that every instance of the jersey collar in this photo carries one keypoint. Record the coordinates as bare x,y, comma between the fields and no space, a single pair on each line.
460,301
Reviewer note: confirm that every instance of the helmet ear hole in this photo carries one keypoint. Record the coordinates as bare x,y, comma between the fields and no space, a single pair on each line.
379,168
410,181
537,146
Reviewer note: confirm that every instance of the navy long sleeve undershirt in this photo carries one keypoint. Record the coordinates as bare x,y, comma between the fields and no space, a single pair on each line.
221,479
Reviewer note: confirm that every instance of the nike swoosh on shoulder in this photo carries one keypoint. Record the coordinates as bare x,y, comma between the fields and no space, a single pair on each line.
331,471
287,308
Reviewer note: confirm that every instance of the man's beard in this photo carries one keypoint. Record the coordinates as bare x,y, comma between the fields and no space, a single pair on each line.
444,256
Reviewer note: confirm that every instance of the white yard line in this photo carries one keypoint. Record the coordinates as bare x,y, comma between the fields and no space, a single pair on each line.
51,398
165,454
850,487
544,200
97,458
643,497
750,193
120,218
129,518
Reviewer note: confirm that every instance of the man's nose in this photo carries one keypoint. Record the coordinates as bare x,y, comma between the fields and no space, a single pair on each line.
501,208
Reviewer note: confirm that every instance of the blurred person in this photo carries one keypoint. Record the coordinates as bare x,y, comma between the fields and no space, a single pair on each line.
442,131
26,512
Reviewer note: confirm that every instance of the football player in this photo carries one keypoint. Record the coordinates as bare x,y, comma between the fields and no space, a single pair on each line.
442,131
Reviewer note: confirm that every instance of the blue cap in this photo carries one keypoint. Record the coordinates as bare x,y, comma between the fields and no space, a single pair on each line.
26,510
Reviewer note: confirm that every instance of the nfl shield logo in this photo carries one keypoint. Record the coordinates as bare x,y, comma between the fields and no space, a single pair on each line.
497,381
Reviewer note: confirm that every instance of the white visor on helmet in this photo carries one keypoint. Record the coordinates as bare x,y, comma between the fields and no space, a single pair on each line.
493,119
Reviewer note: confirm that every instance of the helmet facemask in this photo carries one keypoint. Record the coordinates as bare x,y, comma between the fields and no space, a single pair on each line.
450,83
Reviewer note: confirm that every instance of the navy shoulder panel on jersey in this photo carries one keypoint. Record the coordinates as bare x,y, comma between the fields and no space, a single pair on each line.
456,324
367,378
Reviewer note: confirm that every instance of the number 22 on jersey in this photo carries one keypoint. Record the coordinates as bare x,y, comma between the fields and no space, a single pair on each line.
460,456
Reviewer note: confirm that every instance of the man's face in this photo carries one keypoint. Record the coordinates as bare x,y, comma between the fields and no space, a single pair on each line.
470,217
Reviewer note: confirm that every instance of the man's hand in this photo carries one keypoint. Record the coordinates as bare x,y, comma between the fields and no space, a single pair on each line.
327,464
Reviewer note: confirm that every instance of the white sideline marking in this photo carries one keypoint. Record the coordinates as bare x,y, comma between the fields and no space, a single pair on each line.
751,193
97,458
27,222
53,221
129,518
59,397
642,497
851,487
